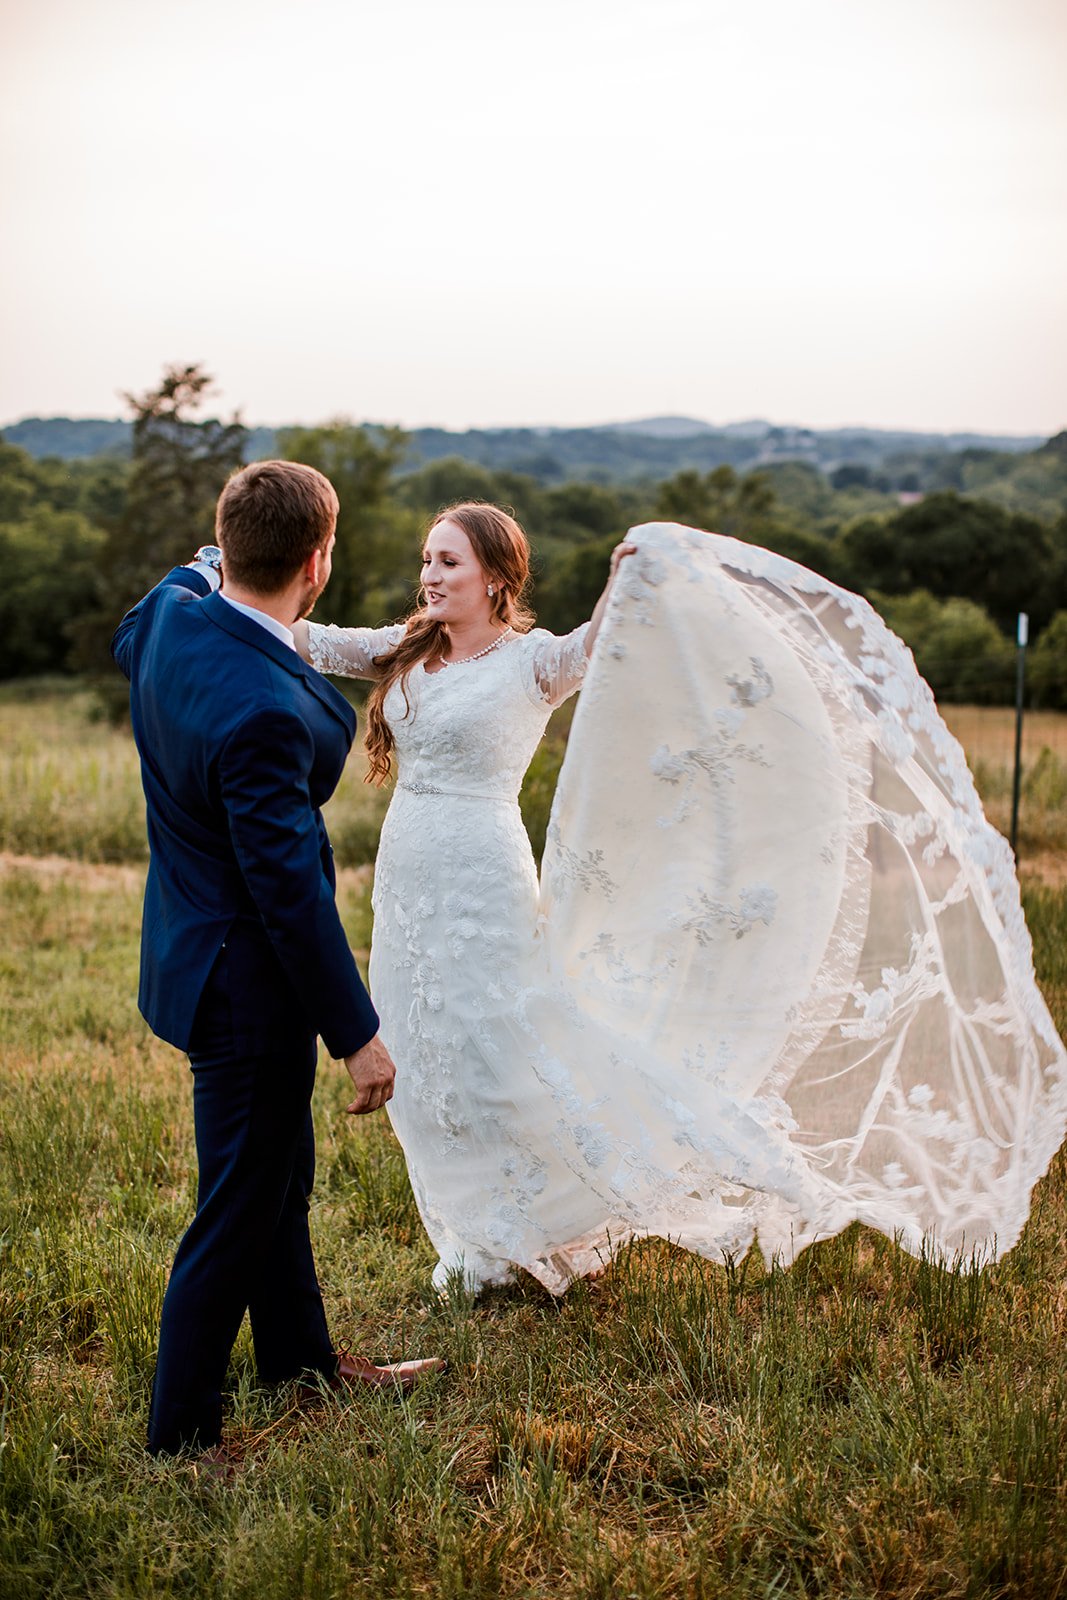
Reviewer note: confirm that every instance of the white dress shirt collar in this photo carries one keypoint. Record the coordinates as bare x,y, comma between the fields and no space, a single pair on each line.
279,630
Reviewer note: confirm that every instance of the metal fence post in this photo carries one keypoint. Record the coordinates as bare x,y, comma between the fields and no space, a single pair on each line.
1021,637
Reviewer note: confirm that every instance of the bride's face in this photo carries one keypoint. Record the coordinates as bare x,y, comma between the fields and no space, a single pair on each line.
452,578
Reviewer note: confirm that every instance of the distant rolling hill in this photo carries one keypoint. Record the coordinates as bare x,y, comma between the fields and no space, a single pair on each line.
648,448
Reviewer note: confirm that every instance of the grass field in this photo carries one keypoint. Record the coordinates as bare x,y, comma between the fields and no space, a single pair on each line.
863,1425
69,782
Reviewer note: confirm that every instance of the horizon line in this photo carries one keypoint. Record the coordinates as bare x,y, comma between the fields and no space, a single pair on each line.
581,427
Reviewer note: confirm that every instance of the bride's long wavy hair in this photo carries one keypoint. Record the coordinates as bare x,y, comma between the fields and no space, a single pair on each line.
503,553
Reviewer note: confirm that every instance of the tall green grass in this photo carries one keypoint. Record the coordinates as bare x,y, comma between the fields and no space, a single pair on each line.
864,1424
1042,801
69,781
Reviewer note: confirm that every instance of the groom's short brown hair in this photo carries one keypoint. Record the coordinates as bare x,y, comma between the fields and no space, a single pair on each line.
270,517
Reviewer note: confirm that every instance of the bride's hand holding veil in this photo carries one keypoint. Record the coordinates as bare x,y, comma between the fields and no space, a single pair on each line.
618,555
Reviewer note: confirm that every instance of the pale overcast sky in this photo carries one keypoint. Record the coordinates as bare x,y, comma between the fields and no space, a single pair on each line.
478,213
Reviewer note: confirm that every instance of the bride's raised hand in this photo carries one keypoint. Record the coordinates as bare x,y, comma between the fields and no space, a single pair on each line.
618,555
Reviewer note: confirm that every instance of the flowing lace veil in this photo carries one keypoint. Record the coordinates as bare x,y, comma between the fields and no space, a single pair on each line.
769,870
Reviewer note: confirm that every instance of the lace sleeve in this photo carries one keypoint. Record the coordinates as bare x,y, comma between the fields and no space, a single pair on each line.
556,665
349,652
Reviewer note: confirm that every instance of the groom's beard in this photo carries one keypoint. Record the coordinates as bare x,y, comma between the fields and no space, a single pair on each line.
309,604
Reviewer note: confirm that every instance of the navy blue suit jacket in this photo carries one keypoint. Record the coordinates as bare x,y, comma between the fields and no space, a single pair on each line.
241,743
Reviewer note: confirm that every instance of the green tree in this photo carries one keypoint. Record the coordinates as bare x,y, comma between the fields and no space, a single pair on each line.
803,494
178,467
180,463
20,483
812,550
748,509
853,475
572,582
95,486
49,562
574,512
957,646
953,546
719,501
1047,667
101,488
1057,575
376,558
451,478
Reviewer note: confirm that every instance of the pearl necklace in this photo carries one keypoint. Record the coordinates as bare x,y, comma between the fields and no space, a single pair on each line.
477,656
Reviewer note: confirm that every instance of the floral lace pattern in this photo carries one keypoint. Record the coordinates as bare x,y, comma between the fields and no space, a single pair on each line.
350,652
775,976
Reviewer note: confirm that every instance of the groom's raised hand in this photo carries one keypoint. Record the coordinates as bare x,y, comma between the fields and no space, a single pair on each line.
372,1071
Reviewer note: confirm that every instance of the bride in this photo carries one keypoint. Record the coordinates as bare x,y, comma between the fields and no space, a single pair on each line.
775,977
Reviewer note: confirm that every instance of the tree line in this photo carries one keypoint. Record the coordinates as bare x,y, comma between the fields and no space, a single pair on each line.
80,540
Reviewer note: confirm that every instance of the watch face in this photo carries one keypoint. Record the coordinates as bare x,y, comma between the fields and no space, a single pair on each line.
210,554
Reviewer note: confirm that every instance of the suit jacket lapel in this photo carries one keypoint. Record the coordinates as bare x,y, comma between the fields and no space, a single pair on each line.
253,633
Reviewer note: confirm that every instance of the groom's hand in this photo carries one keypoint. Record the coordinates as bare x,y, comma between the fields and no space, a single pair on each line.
372,1071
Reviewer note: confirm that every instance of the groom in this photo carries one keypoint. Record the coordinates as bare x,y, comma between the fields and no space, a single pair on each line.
244,960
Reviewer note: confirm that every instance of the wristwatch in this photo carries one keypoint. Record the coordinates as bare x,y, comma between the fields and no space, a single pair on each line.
209,555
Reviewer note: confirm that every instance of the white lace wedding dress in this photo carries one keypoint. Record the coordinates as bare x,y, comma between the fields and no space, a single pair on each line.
775,976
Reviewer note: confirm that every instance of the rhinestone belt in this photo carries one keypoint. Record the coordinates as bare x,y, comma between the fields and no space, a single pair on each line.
462,794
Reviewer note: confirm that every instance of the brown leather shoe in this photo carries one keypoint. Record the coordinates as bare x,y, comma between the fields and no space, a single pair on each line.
219,1464
354,1371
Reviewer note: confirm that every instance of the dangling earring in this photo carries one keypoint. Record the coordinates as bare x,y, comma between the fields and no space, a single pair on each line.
490,591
